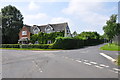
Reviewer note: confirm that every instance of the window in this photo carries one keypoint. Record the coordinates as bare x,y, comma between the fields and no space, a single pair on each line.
49,29
36,30
24,32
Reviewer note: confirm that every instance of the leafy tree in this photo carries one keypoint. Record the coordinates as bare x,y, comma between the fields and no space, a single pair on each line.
88,35
112,29
33,38
12,22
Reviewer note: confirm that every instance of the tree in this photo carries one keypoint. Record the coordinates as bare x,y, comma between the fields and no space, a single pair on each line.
112,29
88,35
34,38
12,22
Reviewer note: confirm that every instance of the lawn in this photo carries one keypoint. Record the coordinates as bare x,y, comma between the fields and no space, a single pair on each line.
29,49
110,47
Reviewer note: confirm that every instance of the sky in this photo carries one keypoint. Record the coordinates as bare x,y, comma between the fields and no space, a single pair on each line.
81,15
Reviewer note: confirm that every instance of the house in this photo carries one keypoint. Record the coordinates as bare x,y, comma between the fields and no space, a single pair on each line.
26,31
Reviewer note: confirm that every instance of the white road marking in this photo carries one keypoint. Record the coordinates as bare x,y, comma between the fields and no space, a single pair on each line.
93,62
108,57
37,66
98,67
103,65
85,60
78,60
116,69
87,63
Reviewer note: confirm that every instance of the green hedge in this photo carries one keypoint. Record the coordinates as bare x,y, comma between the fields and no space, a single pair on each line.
60,43
73,43
92,42
41,46
67,43
9,46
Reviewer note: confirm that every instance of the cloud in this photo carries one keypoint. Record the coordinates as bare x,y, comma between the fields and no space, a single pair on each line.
35,18
86,11
33,6
59,20
92,14
58,0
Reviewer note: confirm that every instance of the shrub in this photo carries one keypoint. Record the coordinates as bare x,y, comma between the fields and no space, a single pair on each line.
67,43
10,46
41,46
73,43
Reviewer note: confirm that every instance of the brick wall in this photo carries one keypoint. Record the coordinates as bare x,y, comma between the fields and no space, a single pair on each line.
24,29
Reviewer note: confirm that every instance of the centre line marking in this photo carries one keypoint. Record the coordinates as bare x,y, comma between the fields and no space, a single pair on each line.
93,62
103,65
87,63
98,67
116,69
85,60
78,61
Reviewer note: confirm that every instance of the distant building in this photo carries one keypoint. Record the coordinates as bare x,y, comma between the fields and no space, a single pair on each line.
74,34
26,31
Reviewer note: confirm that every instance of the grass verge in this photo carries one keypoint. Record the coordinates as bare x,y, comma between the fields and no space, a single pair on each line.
118,60
29,49
110,47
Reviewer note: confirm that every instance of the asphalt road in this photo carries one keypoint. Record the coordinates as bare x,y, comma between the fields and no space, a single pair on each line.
78,63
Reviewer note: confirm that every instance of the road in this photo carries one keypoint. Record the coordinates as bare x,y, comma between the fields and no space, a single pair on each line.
77,63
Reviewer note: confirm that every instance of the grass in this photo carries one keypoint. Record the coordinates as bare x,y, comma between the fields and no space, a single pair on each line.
110,47
118,60
29,49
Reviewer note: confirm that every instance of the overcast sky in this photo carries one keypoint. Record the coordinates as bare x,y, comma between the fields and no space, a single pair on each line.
80,15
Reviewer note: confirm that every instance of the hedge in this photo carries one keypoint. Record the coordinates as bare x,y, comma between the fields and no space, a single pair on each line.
41,46
9,46
73,43
67,43
60,43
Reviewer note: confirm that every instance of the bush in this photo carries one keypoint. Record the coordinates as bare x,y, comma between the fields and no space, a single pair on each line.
41,46
60,43
67,43
92,42
10,46
73,43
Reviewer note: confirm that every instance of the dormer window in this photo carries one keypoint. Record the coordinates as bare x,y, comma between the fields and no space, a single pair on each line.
48,29
24,32
36,30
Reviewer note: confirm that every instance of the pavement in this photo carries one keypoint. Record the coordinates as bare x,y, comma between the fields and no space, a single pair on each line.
78,63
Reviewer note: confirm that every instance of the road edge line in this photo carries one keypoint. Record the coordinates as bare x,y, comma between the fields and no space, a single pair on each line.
108,57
